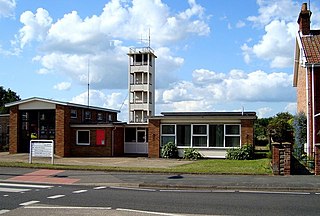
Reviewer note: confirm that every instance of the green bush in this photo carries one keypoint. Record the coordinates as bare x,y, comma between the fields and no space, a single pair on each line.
192,154
246,152
169,150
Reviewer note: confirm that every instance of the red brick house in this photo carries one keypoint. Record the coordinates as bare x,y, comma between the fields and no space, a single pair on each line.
77,130
211,133
307,76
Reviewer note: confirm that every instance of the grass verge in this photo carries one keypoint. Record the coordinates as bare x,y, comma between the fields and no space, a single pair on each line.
206,166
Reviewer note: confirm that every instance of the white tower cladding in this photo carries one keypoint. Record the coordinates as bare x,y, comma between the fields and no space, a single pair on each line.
141,84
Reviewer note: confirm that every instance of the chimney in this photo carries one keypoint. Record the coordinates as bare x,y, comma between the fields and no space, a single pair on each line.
304,19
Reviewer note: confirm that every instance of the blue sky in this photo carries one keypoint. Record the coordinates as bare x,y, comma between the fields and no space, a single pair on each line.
212,55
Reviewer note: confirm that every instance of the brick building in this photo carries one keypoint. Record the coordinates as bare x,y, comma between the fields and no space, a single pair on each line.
306,76
4,131
77,130
211,133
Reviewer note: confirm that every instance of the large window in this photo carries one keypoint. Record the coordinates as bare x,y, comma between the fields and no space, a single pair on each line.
232,136
201,135
168,134
216,135
83,137
183,135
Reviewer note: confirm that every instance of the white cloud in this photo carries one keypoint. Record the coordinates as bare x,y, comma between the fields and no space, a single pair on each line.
69,43
240,24
277,44
111,100
263,112
35,26
62,86
7,8
210,88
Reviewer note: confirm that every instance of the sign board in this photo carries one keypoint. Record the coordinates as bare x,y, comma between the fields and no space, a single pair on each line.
41,148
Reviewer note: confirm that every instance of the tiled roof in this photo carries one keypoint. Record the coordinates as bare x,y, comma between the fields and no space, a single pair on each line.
311,46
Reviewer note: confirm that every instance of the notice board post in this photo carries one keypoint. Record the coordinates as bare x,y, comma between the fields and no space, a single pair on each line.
41,148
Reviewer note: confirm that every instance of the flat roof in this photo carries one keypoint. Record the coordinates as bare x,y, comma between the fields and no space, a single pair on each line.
60,103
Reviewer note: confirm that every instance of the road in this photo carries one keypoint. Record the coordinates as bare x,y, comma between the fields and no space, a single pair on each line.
39,199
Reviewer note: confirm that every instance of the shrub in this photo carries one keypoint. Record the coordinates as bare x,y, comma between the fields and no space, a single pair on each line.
169,150
246,152
192,154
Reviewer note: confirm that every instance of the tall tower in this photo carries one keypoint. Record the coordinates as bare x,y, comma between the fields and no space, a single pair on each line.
141,84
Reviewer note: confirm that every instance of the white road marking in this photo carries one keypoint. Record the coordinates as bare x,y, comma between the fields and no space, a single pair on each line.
3,211
147,212
6,195
79,191
13,190
25,185
99,188
136,189
317,193
29,203
56,196
68,207
276,192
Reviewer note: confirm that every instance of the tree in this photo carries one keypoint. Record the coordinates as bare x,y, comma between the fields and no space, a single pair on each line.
261,132
300,133
7,96
280,127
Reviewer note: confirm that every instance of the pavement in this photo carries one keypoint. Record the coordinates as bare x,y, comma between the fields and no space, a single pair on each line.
292,183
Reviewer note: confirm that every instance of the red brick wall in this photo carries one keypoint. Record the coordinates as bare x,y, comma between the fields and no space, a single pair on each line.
92,150
62,136
154,138
14,128
247,132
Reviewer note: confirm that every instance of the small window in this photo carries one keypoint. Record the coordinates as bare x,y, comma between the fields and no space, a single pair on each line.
87,115
110,117
100,117
168,134
232,136
83,137
73,113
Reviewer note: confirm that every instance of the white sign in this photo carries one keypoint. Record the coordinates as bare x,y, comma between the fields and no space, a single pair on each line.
41,148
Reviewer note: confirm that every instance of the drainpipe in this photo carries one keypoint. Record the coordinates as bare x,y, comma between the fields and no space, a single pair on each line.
308,112
313,111
112,142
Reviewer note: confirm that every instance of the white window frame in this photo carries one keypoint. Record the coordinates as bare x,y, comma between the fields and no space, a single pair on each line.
232,135
200,135
86,144
100,116
168,135
87,117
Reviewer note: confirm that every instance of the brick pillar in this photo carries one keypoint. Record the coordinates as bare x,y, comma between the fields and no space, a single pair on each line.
14,130
317,159
276,158
287,151
154,138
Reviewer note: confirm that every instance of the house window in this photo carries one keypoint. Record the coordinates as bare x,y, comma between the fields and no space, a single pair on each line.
232,135
130,135
73,113
199,135
87,115
183,135
216,135
168,134
100,117
83,137
110,117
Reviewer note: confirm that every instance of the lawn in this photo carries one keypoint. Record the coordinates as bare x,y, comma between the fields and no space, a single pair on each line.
204,166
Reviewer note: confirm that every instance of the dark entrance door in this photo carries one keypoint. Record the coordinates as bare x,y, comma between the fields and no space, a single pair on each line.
35,124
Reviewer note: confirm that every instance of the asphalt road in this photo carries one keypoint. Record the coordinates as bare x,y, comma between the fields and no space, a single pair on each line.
36,199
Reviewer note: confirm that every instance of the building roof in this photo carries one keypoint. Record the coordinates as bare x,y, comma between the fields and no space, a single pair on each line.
33,99
311,47
241,115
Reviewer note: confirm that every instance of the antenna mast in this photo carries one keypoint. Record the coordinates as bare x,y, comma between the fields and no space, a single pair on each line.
88,83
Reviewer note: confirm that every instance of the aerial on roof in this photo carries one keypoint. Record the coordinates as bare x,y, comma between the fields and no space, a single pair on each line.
58,102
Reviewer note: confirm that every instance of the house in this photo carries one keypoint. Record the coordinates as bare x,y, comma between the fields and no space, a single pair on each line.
77,130
307,76
211,133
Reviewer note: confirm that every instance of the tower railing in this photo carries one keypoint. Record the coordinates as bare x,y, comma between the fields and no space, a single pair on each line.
141,50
